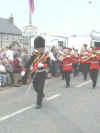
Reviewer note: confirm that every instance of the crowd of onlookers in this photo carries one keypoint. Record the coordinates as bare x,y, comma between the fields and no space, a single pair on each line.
12,61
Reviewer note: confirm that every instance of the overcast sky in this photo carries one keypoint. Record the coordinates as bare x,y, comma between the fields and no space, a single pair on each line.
55,16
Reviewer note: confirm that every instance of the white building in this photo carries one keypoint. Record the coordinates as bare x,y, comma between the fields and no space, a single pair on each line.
78,41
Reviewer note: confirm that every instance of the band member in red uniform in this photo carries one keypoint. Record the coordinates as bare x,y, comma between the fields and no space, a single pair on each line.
67,66
76,63
94,68
84,64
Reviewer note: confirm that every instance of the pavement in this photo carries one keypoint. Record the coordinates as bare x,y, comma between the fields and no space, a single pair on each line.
65,110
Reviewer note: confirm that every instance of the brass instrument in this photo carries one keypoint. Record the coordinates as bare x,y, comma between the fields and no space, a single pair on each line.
67,56
84,56
36,59
35,52
91,55
60,52
37,55
45,57
62,55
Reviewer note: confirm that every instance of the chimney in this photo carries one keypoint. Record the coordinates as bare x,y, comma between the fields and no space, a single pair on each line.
11,19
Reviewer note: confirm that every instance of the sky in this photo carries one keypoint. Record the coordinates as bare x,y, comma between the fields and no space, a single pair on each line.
55,16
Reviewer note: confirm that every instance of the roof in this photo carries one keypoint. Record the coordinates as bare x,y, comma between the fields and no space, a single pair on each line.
7,27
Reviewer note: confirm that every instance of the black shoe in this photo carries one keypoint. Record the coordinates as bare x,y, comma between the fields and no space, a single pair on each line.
94,84
93,87
66,86
38,107
43,95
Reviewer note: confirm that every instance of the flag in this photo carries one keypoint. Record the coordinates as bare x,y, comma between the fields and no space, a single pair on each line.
31,4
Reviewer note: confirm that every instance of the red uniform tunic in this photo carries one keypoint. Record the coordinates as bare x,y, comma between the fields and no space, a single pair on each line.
67,63
94,63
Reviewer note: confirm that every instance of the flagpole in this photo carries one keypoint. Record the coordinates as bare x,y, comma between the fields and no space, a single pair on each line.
30,16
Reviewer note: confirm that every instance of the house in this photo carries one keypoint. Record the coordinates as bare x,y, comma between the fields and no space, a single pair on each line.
9,33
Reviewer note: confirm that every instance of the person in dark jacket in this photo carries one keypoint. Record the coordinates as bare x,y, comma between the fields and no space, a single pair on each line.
39,62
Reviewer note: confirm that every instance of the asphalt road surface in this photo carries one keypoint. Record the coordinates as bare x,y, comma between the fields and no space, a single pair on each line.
65,110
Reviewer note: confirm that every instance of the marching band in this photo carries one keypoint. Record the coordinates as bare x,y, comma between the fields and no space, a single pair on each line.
69,61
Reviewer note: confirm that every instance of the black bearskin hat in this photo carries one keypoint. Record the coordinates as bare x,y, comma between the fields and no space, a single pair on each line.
39,42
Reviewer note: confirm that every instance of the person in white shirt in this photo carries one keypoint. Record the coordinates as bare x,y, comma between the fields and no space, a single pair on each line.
10,53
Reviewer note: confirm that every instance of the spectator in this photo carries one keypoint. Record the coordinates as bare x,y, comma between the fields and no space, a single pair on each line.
25,59
17,70
10,53
3,76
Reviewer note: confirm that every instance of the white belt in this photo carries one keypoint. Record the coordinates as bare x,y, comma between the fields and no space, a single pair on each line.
68,64
42,70
95,62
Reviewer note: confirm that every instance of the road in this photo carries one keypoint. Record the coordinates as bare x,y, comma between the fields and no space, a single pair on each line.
65,110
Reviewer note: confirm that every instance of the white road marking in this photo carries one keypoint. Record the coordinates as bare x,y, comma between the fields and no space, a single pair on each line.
52,97
25,109
16,113
82,84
